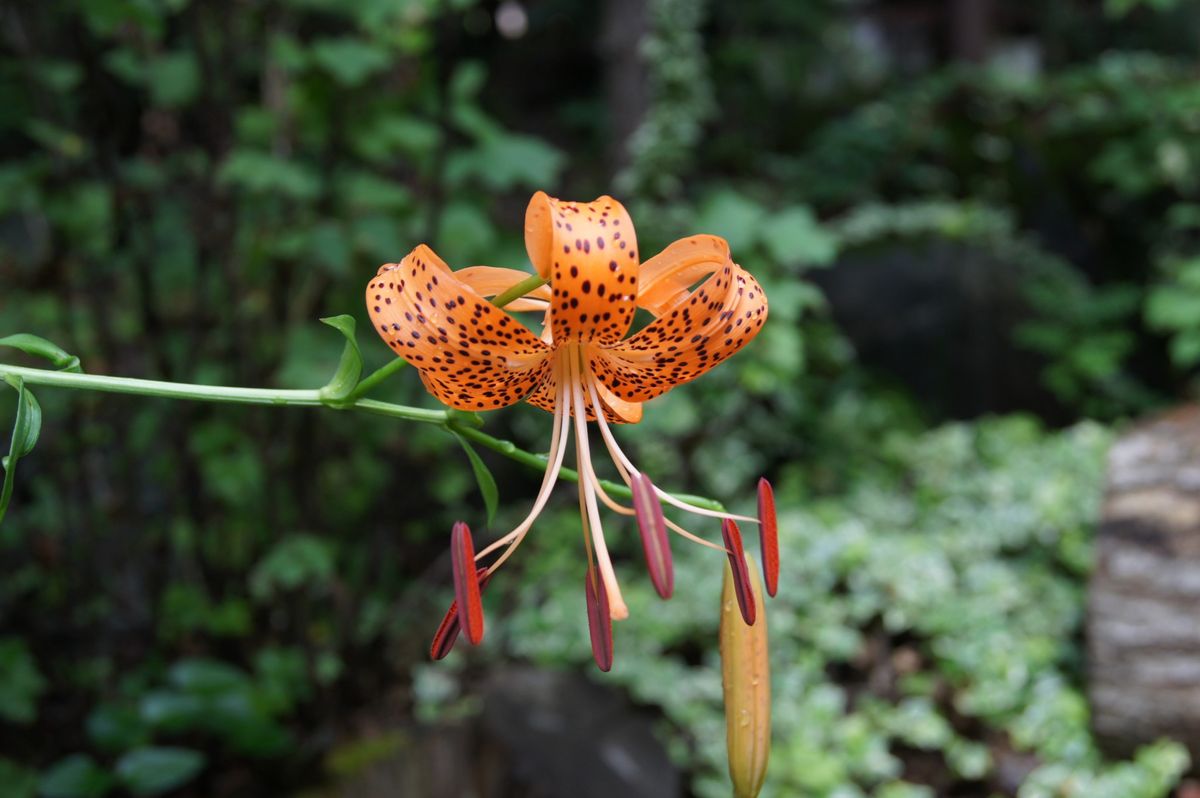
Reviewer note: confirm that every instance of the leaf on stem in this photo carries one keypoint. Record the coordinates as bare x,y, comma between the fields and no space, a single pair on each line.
487,483
26,429
40,347
349,369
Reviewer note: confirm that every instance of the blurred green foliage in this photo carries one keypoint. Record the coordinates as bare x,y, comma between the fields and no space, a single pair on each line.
187,187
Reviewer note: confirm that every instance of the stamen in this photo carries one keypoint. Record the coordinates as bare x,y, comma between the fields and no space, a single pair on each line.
768,535
620,459
612,503
677,529
558,450
616,506
466,582
448,629
653,528
599,620
616,603
741,573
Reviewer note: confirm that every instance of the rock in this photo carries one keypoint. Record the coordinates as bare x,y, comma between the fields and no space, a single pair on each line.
541,734
570,737
1143,623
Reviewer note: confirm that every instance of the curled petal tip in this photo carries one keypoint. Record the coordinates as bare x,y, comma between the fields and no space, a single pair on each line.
599,620
741,573
447,631
466,583
653,528
768,532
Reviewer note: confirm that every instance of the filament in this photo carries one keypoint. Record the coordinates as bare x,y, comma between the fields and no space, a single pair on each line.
554,461
620,459
615,602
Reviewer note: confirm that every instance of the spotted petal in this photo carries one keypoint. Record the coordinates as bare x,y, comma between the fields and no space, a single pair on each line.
587,251
695,329
471,354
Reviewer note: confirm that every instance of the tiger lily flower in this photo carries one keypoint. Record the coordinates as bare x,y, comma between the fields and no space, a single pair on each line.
474,356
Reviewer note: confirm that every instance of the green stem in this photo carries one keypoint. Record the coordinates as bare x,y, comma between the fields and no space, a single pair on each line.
368,383
519,290
377,376
212,393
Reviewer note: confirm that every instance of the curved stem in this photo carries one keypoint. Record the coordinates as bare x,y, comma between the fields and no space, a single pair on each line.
377,376
519,290
306,398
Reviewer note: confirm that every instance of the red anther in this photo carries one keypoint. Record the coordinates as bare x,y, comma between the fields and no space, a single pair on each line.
653,528
466,584
599,620
741,573
768,536
447,631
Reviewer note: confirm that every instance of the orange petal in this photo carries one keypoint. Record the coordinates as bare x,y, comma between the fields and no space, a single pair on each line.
588,254
695,331
667,276
471,354
488,281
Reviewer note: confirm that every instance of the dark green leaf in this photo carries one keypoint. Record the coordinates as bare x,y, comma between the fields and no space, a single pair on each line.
207,676
77,776
173,79
350,367
487,483
349,60
18,781
153,771
172,711
298,561
40,347
113,727
20,682
26,429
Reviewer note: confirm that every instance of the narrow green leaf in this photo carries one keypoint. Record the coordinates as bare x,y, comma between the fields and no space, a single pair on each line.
487,483
26,429
349,369
40,347
155,770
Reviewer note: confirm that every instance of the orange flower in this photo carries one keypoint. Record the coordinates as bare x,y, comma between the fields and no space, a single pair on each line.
474,356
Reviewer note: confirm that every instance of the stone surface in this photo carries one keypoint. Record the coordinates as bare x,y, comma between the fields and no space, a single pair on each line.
541,734
1143,622
570,737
